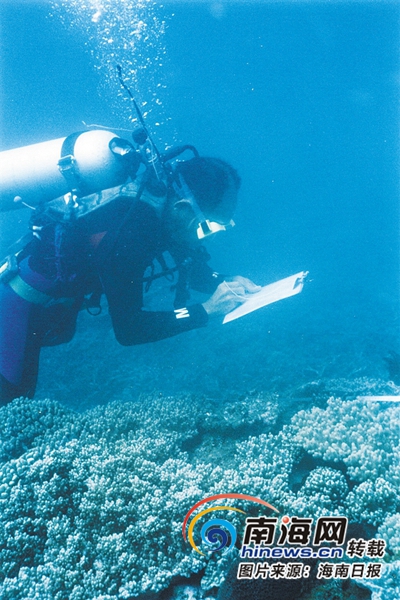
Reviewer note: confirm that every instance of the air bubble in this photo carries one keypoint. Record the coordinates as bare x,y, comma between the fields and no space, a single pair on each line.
96,17
125,32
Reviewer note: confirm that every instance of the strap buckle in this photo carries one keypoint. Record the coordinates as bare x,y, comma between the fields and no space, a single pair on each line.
68,168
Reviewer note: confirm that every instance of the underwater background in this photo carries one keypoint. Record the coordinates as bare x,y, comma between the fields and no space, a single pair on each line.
100,469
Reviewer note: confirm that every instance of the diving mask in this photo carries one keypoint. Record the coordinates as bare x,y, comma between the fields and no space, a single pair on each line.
205,227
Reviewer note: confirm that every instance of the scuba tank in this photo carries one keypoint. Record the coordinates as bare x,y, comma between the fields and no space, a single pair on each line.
82,163
70,177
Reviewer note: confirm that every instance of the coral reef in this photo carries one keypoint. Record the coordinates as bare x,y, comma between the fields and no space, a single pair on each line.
389,530
388,586
92,504
363,437
324,489
27,425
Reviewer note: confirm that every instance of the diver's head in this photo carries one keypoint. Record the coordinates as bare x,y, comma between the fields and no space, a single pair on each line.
203,199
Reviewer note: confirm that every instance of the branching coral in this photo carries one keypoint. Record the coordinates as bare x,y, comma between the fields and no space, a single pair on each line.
349,434
100,497
106,507
363,436
388,586
361,433
28,423
323,493
92,504
389,530
265,463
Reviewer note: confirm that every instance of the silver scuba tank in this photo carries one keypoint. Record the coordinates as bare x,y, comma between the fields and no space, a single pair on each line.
85,162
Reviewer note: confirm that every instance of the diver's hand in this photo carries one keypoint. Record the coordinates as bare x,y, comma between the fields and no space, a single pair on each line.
229,295
248,285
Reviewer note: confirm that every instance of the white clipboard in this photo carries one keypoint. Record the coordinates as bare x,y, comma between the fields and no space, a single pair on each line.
284,288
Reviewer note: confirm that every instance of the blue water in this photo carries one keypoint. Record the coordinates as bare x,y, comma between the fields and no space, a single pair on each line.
303,100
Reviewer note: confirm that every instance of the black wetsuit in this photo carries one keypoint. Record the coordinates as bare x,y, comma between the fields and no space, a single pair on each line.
114,247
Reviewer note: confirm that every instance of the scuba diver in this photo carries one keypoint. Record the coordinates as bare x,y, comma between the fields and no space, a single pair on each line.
83,246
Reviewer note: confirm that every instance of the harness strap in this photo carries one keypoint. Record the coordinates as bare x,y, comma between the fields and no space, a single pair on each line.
30,294
67,163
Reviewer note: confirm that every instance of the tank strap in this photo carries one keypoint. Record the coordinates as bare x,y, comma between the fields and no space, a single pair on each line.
30,294
67,164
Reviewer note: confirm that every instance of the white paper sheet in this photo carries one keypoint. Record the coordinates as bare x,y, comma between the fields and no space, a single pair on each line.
268,294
